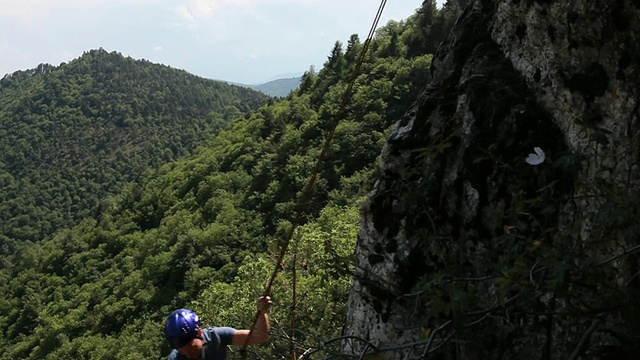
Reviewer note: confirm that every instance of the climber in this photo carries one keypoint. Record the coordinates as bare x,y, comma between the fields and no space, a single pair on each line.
190,341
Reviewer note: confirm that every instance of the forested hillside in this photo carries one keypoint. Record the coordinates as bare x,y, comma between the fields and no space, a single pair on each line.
73,134
203,231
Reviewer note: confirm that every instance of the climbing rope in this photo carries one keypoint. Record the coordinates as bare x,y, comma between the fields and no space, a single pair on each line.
307,191
294,300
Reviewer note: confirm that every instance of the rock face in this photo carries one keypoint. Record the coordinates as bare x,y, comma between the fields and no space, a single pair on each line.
468,251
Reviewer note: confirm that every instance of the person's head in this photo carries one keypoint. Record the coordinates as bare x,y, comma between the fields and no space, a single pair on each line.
184,333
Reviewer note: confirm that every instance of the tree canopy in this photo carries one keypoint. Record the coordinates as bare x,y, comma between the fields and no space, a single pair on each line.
132,189
73,134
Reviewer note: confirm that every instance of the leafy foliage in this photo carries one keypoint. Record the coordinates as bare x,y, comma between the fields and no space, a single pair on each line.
184,228
73,134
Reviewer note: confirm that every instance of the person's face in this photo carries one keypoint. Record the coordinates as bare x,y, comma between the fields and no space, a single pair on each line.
193,349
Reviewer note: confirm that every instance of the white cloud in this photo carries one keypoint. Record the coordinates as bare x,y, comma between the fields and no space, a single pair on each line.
193,10
37,9
183,12
238,40
206,9
202,8
21,9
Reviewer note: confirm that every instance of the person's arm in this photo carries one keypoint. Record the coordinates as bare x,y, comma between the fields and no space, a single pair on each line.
260,332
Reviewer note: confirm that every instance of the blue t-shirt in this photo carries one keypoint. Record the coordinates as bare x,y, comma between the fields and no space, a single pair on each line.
215,339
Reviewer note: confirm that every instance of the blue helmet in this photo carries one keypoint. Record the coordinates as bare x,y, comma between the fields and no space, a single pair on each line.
182,326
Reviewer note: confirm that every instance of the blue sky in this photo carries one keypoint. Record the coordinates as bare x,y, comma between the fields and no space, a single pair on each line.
245,41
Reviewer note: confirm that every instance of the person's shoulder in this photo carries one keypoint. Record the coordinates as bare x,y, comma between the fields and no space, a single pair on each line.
219,330
219,334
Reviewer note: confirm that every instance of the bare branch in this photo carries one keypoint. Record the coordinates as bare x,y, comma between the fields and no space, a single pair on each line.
613,258
584,339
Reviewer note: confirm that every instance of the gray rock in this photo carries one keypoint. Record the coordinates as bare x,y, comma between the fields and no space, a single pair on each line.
465,250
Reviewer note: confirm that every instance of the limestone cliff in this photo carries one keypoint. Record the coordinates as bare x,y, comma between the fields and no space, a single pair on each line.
469,251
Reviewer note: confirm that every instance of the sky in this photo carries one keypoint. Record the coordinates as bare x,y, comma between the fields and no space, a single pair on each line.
243,41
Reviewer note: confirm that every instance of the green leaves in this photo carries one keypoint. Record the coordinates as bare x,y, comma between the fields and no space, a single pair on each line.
77,133
323,262
193,231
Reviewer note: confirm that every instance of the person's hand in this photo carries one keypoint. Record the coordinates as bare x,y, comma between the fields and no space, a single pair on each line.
263,304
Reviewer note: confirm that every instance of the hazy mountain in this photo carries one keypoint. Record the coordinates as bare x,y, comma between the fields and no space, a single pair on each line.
279,87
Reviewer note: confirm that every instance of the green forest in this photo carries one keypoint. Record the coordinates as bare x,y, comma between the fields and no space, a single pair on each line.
130,189
73,134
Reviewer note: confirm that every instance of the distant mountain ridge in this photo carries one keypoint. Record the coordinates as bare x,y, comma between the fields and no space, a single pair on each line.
277,88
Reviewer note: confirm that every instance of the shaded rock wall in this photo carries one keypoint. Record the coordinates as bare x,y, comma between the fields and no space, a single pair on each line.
466,251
